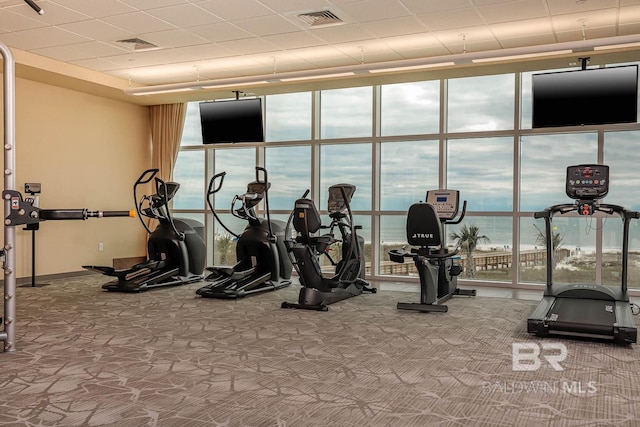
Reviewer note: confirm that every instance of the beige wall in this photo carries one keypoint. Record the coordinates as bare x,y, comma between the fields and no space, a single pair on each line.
87,151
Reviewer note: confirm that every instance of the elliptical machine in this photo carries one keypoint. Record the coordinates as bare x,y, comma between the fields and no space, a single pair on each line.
435,264
176,249
318,291
262,264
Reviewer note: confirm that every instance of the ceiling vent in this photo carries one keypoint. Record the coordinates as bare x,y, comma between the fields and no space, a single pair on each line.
137,44
321,18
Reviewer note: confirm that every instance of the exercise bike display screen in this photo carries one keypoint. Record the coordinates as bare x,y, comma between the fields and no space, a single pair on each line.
445,202
587,182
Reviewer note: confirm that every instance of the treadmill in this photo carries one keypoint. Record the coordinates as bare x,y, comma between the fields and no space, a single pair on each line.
585,310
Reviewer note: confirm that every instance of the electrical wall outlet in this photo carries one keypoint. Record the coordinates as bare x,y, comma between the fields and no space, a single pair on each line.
100,247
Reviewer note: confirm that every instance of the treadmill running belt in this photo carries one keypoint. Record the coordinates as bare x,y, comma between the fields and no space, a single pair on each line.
586,316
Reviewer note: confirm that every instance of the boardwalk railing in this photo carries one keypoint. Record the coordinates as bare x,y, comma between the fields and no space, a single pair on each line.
483,260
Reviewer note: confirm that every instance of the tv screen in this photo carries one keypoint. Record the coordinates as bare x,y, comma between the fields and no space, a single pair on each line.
585,97
232,121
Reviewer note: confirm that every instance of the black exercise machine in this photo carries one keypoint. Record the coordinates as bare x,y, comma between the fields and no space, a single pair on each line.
262,264
435,264
585,310
176,249
318,291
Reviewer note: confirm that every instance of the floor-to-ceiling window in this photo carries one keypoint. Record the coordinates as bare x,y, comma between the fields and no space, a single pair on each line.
396,141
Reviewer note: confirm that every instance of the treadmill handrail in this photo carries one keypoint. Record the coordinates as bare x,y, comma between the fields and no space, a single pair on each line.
570,207
609,209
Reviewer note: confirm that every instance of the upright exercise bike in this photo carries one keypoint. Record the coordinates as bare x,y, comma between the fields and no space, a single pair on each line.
435,264
176,249
318,291
262,263
586,310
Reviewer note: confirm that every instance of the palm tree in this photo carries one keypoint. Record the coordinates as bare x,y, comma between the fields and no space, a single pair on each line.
556,241
223,244
468,238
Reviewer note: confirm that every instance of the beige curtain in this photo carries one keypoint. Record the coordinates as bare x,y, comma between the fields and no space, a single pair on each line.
167,121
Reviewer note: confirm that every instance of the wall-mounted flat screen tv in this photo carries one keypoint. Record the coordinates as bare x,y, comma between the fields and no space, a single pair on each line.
585,97
238,120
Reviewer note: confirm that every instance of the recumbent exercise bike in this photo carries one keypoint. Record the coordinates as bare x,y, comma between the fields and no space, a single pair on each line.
319,291
435,264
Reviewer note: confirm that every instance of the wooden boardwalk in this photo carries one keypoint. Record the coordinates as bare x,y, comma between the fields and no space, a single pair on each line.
484,261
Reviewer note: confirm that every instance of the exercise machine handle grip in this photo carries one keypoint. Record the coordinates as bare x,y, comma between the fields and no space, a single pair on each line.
109,214
147,176
80,214
215,188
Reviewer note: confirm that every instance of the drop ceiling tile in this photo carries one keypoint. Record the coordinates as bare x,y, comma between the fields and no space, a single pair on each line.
96,9
222,31
470,35
513,11
266,25
249,46
419,7
522,28
205,52
629,15
138,22
56,14
16,22
593,33
459,18
97,29
374,10
150,4
236,9
524,41
184,15
287,6
98,64
41,37
560,7
78,51
173,38
341,33
294,40
629,29
592,19
394,27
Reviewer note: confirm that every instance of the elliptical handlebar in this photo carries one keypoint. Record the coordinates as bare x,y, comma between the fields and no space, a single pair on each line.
215,188
266,196
164,201
144,178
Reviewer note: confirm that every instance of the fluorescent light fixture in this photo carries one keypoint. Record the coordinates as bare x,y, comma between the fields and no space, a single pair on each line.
223,85
522,56
317,76
412,67
158,90
616,46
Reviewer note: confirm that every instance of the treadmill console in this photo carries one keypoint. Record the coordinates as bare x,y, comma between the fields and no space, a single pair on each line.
587,182
445,202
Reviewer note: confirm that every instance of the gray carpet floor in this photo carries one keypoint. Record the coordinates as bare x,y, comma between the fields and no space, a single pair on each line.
87,357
